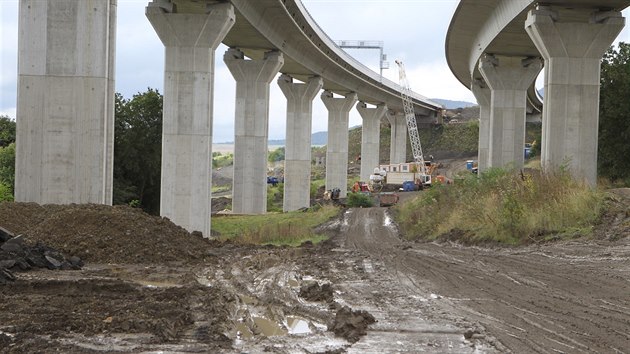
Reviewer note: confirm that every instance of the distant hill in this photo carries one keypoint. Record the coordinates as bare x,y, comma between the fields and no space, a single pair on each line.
318,138
453,104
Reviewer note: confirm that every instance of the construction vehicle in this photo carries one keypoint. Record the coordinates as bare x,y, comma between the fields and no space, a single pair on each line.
412,126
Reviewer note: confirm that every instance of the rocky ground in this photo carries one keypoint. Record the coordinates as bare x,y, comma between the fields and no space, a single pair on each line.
146,285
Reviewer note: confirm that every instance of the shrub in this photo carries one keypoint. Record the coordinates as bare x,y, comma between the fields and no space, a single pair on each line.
356,200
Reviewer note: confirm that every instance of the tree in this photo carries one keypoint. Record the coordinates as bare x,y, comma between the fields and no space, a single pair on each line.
614,114
138,150
276,155
7,172
7,131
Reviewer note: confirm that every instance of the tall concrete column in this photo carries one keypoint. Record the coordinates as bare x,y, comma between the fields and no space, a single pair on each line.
251,128
65,110
190,41
483,95
572,44
297,162
398,140
370,138
508,78
337,149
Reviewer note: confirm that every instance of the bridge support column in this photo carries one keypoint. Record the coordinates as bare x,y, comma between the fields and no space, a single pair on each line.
337,150
572,53
483,95
190,41
251,128
65,112
398,140
297,163
508,78
370,138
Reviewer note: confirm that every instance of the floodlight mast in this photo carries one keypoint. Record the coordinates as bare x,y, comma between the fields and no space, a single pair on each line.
410,116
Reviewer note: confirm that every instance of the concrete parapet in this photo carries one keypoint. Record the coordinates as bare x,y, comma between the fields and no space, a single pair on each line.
337,148
370,138
65,110
572,50
190,41
251,128
297,165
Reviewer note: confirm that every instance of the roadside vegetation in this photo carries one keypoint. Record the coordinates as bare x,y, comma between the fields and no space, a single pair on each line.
505,207
290,229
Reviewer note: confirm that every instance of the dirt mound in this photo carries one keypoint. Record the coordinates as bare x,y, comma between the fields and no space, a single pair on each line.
315,292
103,234
351,325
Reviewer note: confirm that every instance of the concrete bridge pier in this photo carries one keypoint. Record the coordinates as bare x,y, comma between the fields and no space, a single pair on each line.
508,79
572,44
370,138
483,95
65,111
297,165
251,128
190,41
398,139
337,150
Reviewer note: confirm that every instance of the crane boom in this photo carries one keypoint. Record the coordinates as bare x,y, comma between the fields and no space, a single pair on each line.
410,116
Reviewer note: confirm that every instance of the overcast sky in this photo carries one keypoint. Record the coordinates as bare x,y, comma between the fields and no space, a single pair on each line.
412,30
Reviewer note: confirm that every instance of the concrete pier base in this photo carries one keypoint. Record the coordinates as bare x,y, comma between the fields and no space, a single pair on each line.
297,163
251,128
370,138
572,43
398,140
190,41
508,79
65,110
337,150
483,95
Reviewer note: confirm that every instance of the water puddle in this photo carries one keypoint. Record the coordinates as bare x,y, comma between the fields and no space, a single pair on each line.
269,328
156,284
297,325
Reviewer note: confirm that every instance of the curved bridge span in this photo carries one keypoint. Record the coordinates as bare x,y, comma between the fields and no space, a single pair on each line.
66,93
497,48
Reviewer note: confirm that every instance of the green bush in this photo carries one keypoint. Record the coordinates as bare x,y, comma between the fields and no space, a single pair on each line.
357,200
5,193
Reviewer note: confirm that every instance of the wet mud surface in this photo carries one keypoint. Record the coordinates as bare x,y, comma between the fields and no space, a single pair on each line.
364,291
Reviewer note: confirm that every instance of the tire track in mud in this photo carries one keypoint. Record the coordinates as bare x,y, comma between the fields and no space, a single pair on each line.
568,298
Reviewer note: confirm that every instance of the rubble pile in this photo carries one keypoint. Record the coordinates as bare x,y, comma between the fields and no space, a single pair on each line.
16,254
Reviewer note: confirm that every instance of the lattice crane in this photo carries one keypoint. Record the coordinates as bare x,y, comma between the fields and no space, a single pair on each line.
410,116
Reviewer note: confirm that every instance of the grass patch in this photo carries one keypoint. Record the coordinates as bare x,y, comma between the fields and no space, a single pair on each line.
219,189
504,207
292,228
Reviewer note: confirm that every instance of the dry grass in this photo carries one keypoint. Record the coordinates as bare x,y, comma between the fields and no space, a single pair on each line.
505,207
292,228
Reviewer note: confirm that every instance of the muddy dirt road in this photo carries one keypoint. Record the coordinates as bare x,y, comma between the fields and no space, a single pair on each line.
571,297
364,291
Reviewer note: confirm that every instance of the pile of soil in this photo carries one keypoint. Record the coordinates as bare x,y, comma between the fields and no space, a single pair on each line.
350,324
103,234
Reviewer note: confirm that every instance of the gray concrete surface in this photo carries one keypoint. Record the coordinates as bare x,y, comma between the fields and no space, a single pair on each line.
370,138
251,128
190,41
337,148
65,109
297,163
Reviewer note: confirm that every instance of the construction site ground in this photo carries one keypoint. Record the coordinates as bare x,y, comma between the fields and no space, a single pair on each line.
149,286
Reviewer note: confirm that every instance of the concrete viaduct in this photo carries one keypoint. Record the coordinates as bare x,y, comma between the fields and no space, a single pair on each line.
497,49
65,125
